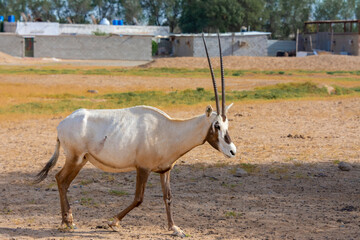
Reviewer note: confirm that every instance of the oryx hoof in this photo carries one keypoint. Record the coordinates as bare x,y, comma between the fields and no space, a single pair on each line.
67,227
177,232
114,225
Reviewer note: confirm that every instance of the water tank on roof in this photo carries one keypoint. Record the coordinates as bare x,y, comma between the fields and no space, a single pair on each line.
11,18
104,21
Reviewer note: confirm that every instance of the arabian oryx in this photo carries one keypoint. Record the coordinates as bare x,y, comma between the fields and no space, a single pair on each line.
140,138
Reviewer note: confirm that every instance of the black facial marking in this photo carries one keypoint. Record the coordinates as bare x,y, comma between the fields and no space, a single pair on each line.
217,126
227,138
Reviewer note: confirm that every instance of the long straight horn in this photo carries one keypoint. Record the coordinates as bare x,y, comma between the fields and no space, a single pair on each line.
213,78
222,81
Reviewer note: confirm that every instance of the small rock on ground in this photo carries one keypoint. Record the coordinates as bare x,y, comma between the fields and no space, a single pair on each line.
343,166
92,91
241,173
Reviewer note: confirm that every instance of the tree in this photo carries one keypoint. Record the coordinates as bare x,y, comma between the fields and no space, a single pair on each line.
132,11
253,12
284,17
172,13
154,11
211,16
59,10
335,9
13,7
106,8
293,15
41,10
78,10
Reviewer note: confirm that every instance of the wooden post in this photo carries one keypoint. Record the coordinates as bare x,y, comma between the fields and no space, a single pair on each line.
331,41
297,42
344,26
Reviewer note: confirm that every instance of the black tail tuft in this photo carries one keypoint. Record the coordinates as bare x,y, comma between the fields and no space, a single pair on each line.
49,165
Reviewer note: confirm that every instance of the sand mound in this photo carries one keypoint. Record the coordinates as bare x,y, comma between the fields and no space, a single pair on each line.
6,58
324,62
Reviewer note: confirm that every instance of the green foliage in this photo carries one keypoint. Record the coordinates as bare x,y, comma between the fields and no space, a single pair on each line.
280,17
118,193
211,16
99,33
154,48
334,9
238,73
232,214
248,167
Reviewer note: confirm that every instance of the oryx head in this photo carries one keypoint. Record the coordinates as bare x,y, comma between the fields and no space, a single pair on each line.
218,135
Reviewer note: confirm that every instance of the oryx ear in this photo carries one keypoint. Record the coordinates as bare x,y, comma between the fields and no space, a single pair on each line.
208,111
227,108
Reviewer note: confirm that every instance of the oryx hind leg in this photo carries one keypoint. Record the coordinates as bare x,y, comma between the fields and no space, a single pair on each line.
165,184
141,179
64,177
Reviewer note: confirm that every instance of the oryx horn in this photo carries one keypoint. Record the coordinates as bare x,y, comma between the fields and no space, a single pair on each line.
222,81
213,78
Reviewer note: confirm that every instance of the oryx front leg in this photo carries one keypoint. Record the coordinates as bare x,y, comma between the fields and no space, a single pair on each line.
64,179
165,184
141,179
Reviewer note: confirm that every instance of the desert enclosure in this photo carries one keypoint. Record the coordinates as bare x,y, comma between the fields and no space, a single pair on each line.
294,120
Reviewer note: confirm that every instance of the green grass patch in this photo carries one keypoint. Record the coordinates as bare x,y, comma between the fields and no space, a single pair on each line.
60,103
157,72
281,91
233,214
118,193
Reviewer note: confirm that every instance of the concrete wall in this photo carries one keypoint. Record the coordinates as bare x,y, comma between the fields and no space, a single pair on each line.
232,45
89,29
280,45
81,47
12,44
183,46
235,45
94,47
10,27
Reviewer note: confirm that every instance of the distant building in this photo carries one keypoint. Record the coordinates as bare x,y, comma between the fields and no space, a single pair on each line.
120,42
332,36
233,44
79,41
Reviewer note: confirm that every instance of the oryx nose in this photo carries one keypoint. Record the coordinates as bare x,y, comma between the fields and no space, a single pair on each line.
232,152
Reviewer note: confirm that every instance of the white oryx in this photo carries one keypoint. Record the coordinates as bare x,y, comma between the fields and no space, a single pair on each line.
140,138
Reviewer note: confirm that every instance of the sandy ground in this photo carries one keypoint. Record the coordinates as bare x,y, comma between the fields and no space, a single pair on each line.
296,190
321,62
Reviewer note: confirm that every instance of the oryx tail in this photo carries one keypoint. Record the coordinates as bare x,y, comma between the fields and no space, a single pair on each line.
49,165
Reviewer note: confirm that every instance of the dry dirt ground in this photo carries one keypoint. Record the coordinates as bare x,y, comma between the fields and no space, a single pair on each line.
294,189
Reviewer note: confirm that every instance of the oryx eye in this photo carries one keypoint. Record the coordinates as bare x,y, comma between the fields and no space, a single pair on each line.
217,126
